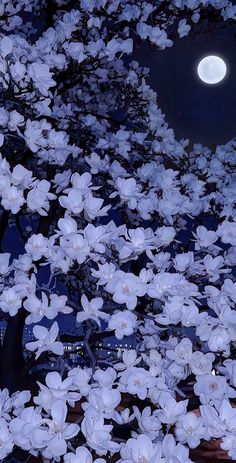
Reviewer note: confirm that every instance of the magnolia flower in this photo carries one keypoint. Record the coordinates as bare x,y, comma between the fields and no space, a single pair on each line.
105,400
140,450
182,353
22,427
10,301
80,379
163,283
6,440
91,310
148,422
56,389
173,452
125,289
123,323
59,431
6,46
204,237
227,232
12,199
128,190
42,77
93,207
183,28
201,363
46,340
170,410
210,388
190,430
183,261
73,202
97,433
81,455
218,339
105,377
38,198
36,246
44,308
136,381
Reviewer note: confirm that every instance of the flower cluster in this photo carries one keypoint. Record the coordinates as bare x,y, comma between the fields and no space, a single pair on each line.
124,232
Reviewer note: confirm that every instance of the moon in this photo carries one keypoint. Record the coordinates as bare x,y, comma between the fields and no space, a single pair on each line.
212,69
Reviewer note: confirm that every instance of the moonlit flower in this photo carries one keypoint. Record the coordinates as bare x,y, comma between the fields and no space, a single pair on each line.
227,232
170,410
42,77
201,363
12,199
190,430
4,262
210,388
6,439
136,381
140,450
10,301
182,353
46,340
73,202
91,310
36,246
123,323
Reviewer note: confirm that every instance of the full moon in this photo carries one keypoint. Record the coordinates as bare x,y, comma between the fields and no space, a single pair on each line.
212,69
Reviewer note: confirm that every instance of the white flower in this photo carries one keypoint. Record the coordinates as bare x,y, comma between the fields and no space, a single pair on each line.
38,198
6,46
105,400
163,283
38,309
183,261
97,433
4,262
12,199
136,381
210,388
182,353
128,190
46,340
23,427
123,323
204,237
36,246
174,453
227,232
125,289
73,202
91,310
183,28
17,71
190,430
81,455
148,422
105,377
218,339
6,440
10,301
201,363
140,450
42,77
170,410
59,431
80,379
93,207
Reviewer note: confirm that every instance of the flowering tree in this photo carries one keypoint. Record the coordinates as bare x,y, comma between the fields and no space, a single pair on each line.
134,230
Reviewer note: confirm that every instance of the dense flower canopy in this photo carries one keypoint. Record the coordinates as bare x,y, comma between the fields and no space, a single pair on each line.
134,230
